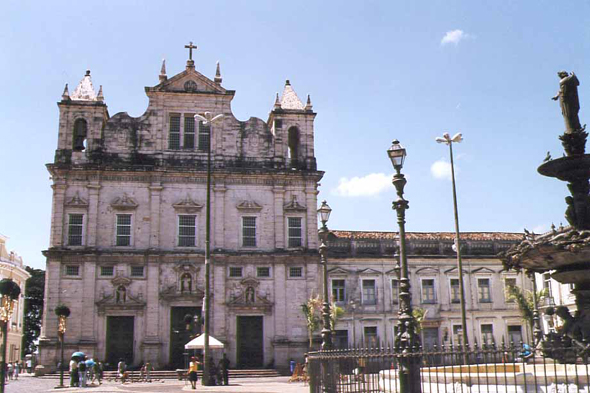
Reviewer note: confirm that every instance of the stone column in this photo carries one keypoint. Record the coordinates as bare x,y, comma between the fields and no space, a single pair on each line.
155,199
279,217
311,196
88,334
152,324
92,220
218,215
57,213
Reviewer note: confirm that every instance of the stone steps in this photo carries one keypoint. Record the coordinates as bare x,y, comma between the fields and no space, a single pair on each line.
173,374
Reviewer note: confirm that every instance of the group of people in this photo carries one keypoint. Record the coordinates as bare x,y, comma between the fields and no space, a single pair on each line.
13,369
83,373
218,374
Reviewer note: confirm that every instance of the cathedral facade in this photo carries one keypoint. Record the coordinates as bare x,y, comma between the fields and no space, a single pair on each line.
128,225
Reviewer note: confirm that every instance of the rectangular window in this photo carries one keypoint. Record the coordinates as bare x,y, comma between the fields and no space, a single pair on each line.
107,271
295,271
369,292
136,271
174,132
428,292
294,232
123,229
204,136
189,132
263,272
249,231
487,334
187,230
457,334
278,124
395,291
75,229
339,291
455,291
508,283
235,271
371,338
72,270
483,290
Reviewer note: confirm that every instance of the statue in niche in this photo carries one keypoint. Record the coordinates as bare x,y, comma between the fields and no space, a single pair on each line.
569,101
186,283
121,294
250,298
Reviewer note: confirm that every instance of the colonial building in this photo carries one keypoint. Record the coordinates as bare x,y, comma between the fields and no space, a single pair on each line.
12,267
363,281
128,224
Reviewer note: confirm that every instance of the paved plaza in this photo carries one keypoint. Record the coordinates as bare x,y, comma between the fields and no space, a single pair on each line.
27,384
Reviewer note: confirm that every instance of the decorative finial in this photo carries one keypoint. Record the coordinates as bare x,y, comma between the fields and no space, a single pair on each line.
308,106
66,94
277,102
87,72
287,83
163,75
218,79
100,97
190,63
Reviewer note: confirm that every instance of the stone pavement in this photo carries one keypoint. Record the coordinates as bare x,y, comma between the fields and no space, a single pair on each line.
27,384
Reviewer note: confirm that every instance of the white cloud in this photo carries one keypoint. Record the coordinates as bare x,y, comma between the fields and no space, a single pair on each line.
369,185
441,169
454,37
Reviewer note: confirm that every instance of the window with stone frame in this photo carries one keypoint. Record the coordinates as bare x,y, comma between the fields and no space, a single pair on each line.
189,131
428,291
369,292
75,229
294,232
137,271
187,230
487,334
204,136
483,290
263,272
107,271
295,272
72,270
457,335
123,235
394,291
248,231
371,338
235,271
455,291
509,282
174,131
339,291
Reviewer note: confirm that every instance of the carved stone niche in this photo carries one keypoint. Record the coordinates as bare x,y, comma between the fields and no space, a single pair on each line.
124,203
246,296
187,205
186,286
121,298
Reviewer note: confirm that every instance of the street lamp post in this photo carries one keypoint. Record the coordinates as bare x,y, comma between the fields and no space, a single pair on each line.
208,118
10,291
406,340
446,139
62,312
324,213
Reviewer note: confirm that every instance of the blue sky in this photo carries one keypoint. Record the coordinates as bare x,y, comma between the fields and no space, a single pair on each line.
376,70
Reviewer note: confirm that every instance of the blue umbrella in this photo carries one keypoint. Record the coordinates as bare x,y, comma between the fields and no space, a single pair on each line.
90,363
78,355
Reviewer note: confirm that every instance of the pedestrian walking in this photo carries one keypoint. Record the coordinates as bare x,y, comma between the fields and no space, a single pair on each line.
148,371
98,371
73,373
192,372
122,370
10,369
82,373
224,369
16,369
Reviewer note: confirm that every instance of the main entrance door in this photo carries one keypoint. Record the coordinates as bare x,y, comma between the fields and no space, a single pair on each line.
250,342
179,335
119,340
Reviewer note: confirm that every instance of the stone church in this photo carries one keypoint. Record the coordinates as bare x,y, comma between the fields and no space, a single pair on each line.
128,225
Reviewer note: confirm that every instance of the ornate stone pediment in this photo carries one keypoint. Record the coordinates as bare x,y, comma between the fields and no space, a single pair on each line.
187,205
294,206
186,267
172,293
77,201
249,206
246,296
189,81
427,270
120,280
483,270
124,203
368,272
338,271
115,303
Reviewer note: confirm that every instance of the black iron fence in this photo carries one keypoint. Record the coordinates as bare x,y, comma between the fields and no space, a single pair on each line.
453,369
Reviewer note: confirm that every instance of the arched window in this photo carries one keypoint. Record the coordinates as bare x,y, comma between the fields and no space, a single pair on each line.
80,132
293,136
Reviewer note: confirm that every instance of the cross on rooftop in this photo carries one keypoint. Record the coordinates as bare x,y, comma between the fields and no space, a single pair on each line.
190,48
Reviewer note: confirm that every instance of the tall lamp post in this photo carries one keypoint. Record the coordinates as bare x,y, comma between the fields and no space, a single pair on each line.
62,312
446,139
10,292
406,340
324,213
209,119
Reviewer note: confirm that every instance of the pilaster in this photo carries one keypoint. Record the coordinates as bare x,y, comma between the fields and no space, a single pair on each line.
88,333
155,199
279,217
92,223
57,213
311,196
219,215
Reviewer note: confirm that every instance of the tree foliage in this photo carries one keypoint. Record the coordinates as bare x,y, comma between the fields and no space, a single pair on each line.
311,311
419,315
336,312
34,294
525,302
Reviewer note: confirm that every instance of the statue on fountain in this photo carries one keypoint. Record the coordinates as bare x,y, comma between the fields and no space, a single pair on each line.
569,101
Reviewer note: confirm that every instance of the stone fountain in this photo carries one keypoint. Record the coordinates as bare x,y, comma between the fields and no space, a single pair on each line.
565,252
